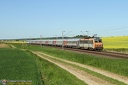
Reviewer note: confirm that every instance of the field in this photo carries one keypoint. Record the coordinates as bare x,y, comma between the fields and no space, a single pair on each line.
14,41
18,65
22,65
115,42
4,46
118,44
118,66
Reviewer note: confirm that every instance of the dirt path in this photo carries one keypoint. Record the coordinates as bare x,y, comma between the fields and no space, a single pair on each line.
4,46
100,71
80,74
12,46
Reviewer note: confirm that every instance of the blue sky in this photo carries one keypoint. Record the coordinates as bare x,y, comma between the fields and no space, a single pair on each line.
32,18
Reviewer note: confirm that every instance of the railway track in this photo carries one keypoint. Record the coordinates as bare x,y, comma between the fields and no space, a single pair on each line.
104,53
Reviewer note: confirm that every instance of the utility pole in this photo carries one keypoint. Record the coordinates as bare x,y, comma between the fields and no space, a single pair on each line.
87,33
56,36
88,38
62,39
40,40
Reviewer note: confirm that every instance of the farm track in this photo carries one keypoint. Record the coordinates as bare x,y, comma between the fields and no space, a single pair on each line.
104,53
12,46
81,74
4,46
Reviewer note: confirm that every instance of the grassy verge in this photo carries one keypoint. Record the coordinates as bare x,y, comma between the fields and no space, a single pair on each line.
122,50
54,75
110,80
18,65
119,66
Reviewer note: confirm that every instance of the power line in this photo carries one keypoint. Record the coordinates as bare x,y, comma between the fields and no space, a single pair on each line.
117,29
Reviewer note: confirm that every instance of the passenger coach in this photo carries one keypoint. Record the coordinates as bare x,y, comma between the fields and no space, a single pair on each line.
84,43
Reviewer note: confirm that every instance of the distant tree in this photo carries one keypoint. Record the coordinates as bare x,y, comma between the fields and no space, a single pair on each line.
81,36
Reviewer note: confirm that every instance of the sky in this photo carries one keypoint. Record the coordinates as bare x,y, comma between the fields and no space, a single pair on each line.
48,18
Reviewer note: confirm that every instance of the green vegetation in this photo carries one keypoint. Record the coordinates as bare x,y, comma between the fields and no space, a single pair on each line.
119,66
113,81
116,43
15,41
54,75
110,80
18,65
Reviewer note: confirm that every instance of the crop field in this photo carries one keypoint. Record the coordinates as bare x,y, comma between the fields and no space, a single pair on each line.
22,65
14,41
114,65
49,73
115,42
4,46
118,66
18,65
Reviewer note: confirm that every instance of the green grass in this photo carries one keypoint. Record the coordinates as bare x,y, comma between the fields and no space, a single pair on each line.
54,75
110,80
119,66
18,65
120,42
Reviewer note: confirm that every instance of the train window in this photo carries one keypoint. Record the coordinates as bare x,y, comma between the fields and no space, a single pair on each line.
74,41
81,42
98,40
86,41
90,41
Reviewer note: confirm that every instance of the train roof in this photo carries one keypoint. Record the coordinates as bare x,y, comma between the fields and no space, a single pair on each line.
73,39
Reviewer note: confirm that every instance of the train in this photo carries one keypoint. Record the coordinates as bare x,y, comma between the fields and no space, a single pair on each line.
93,43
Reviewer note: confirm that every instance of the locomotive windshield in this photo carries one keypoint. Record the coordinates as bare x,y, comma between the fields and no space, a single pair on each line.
98,39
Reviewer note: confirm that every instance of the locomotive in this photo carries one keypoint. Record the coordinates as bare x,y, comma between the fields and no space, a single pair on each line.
93,43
